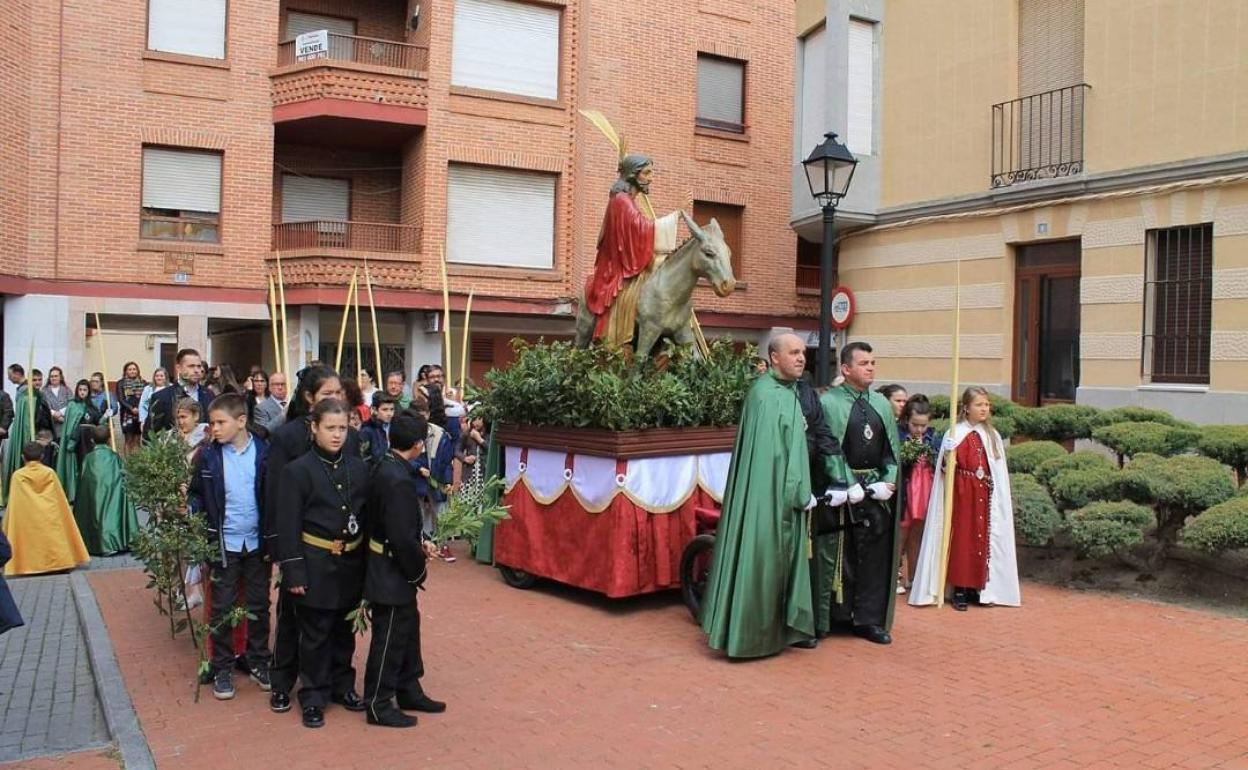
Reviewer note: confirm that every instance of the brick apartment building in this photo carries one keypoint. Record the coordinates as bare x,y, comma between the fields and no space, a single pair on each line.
158,156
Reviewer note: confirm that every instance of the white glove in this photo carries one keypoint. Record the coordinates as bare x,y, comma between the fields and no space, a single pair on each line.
835,497
812,503
880,490
855,494
948,444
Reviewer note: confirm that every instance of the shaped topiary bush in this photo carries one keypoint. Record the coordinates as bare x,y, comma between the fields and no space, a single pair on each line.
1036,519
1223,527
1105,528
1079,487
1047,470
1129,439
1138,414
1228,444
1177,488
1059,422
1025,458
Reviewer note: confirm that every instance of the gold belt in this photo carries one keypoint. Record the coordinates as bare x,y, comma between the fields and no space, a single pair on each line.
376,547
336,547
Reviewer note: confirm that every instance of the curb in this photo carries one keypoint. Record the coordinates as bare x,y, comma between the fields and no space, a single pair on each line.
119,714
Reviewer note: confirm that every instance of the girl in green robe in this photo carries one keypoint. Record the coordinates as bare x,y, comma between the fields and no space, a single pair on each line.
78,412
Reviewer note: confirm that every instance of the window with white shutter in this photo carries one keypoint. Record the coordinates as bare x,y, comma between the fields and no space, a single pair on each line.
315,199
814,95
721,93
502,217
191,27
860,78
181,194
298,23
500,45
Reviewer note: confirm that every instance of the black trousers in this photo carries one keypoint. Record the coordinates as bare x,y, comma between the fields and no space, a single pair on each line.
394,665
326,646
285,666
867,569
251,572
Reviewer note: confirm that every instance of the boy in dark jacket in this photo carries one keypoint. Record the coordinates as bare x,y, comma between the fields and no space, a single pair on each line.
227,489
375,434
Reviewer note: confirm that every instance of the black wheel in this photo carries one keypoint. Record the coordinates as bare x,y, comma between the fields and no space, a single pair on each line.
695,567
517,578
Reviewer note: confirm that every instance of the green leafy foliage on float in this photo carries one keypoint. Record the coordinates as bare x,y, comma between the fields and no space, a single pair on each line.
1223,527
556,384
468,511
1025,458
1036,519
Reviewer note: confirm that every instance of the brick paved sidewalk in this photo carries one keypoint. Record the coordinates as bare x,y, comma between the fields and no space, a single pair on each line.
555,678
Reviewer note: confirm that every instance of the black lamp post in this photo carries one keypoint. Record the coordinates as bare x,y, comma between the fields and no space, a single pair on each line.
828,171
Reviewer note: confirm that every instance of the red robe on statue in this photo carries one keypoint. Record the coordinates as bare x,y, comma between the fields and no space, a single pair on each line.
972,499
625,249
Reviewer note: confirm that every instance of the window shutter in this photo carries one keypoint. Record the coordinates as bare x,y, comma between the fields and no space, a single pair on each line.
183,180
729,218
506,46
191,27
1050,45
814,90
860,78
721,90
298,23
310,198
486,210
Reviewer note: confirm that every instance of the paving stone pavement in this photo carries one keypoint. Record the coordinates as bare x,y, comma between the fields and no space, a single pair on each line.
557,678
48,703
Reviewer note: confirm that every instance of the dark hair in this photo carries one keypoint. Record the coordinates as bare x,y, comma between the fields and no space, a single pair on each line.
101,376
59,371
310,381
17,369
44,433
100,434
82,384
31,451
129,364
401,375
226,380
382,397
434,368
231,403
423,371
371,375
184,352
916,404
888,391
847,352
36,373
407,431
327,406
351,391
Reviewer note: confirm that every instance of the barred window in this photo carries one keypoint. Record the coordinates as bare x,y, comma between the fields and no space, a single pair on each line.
1178,304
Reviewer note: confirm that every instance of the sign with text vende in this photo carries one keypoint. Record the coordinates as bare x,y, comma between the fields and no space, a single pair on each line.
312,45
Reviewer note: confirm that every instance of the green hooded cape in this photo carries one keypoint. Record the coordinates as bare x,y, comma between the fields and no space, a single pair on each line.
67,458
19,436
493,467
103,510
826,562
758,598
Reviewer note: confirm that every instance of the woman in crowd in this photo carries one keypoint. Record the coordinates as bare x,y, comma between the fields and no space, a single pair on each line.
80,413
896,396
129,392
226,381
56,395
918,458
257,387
354,396
160,381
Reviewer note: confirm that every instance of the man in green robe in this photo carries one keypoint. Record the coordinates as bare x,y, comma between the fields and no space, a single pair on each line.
103,510
758,598
854,570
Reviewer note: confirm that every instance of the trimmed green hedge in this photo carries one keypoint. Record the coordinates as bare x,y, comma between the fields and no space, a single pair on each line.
1059,422
1129,439
1025,458
1036,519
1104,528
1223,527
1077,488
1177,488
1228,444
1138,414
1085,460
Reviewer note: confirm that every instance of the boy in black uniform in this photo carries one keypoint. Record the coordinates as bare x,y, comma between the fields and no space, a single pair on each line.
396,568
320,526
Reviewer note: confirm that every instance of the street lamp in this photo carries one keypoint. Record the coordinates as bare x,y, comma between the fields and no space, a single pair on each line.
828,171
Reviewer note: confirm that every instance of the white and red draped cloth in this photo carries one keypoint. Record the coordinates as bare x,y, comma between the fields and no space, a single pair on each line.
609,525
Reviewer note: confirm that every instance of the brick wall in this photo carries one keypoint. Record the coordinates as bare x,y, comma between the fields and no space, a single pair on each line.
15,66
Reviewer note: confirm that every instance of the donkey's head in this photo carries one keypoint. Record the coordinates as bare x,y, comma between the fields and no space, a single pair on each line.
713,258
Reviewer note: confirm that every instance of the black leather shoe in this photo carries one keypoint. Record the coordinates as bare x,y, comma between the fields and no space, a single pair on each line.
959,599
313,716
349,700
875,634
279,702
391,718
423,703
806,644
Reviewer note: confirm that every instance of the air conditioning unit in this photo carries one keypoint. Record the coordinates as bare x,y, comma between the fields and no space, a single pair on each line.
433,322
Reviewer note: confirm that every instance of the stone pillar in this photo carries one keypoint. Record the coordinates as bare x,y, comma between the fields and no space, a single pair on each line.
305,330
422,347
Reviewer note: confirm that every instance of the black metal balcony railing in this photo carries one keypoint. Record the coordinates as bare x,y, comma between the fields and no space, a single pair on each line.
1038,136
361,50
356,236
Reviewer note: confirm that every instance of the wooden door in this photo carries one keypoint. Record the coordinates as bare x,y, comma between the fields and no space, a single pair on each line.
1046,323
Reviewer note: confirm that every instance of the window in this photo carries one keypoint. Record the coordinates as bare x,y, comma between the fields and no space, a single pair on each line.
721,93
298,23
809,256
191,27
729,218
500,45
500,217
181,195
860,79
1178,303
814,121
315,199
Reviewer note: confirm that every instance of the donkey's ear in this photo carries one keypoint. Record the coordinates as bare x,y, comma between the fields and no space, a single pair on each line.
713,226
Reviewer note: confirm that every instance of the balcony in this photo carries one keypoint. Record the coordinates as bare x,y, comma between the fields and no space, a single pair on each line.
1038,136
356,91
327,252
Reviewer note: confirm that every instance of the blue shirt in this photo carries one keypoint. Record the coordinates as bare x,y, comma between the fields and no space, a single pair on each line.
241,528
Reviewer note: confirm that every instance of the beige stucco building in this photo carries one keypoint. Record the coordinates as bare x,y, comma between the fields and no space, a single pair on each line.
1078,168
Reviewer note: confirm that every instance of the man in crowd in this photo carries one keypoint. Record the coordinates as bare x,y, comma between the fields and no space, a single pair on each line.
271,412
395,386
855,579
189,374
758,598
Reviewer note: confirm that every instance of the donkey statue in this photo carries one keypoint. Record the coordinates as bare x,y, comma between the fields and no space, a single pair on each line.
665,300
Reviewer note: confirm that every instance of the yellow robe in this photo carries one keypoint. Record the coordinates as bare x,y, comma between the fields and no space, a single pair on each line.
39,524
